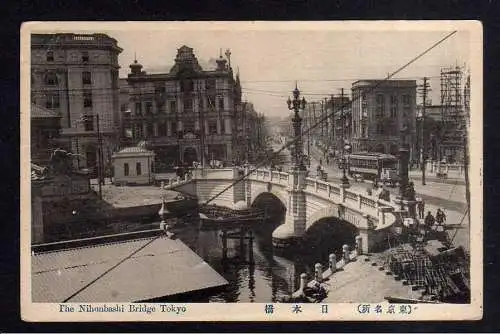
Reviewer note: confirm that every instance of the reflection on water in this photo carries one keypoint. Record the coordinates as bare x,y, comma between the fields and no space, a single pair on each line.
255,272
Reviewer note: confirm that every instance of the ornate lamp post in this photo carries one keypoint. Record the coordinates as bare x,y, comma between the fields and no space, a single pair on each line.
296,105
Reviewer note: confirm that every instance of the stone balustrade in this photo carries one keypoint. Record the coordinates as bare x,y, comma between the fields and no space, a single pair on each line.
371,206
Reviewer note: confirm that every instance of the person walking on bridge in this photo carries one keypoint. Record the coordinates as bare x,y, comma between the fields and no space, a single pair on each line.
421,208
429,220
440,217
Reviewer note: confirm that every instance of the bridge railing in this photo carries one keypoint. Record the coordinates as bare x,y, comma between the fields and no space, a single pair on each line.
370,205
358,201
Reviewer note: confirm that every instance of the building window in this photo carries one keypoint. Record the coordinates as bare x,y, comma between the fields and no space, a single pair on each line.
173,126
188,104
210,84
406,100
87,99
173,107
379,111
138,108
394,106
149,130
221,103
394,111
137,131
162,129
212,127
222,127
188,126
86,78
52,101
124,107
51,79
126,170
138,168
88,122
159,89
187,86
149,108
50,56
85,57
200,104
211,102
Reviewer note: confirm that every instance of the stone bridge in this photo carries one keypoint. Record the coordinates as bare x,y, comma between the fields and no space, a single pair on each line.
307,200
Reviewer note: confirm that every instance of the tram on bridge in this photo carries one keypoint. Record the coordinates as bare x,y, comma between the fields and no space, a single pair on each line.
374,166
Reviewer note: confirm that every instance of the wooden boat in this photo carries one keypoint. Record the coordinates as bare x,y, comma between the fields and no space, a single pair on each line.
181,205
219,217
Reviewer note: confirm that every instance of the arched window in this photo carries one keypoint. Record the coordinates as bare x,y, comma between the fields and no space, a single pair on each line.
51,79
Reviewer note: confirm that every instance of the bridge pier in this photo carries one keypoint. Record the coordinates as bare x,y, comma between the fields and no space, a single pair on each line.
294,227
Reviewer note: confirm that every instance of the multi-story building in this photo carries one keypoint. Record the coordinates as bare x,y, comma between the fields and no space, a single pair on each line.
250,134
76,76
384,114
187,114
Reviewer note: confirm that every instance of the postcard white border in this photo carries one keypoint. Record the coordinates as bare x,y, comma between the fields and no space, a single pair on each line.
44,312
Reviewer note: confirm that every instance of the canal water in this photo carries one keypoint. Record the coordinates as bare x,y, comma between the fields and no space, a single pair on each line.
255,271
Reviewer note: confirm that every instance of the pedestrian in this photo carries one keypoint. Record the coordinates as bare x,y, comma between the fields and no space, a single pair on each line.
440,217
320,161
421,208
429,219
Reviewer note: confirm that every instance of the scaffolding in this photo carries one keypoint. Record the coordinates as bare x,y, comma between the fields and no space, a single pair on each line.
453,114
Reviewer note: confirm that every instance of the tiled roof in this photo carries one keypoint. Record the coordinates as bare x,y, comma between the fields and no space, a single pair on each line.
40,112
128,271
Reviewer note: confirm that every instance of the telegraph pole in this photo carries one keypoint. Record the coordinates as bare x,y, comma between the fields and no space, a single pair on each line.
100,154
333,124
423,152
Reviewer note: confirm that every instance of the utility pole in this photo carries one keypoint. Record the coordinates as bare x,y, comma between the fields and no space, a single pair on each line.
423,153
100,154
345,180
333,124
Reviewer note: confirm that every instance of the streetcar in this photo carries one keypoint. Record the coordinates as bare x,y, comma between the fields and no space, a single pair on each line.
374,166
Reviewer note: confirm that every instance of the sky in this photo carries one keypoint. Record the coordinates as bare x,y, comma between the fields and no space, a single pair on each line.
321,59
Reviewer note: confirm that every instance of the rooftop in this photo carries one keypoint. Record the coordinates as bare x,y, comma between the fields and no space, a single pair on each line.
121,271
72,40
135,150
382,83
40,112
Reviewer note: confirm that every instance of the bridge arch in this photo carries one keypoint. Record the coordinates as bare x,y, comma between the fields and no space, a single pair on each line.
272,202
328,234
283,199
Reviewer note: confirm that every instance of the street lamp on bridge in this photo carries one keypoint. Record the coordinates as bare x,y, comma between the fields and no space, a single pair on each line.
296,105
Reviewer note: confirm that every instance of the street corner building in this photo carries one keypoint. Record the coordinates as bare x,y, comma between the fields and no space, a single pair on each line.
381,109
75,76
188,114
